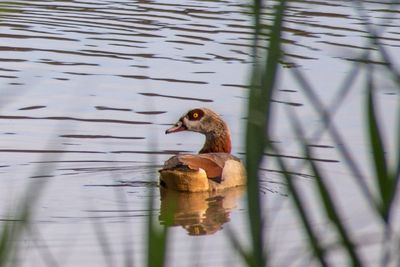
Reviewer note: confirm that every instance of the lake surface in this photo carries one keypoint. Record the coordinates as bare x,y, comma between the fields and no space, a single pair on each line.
89,87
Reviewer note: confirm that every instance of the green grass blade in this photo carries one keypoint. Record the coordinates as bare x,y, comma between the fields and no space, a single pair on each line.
314,242
157,246
376,37
262,87
332,214
349,160
5,244
103,242
395,174
157,239
14,229
378,152
237,246
326,198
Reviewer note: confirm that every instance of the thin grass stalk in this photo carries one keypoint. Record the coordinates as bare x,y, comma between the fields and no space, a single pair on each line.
396,172
385,178
327,200
156,239
103,243
6,243
340,97
157,235
331,212
375,38
128,246
337,138
396,250
262,87
257,9
42,248
387,246
13,230
379,160
393,176
295,196
238,247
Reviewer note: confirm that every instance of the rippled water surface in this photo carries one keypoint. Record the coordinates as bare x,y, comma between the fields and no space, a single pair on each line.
89,87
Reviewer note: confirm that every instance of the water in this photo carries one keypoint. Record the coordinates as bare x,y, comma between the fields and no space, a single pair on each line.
89,87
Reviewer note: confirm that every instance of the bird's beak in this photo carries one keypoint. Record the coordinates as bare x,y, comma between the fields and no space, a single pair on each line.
178,127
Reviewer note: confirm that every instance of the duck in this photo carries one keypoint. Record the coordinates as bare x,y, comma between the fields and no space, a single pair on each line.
214,168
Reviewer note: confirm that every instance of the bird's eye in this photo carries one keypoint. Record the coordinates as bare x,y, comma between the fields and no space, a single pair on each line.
195,114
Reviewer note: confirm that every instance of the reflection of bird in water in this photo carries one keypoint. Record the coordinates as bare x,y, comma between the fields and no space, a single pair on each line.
215,216
200,213
214,168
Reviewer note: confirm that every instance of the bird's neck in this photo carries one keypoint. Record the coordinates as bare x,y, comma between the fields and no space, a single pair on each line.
219,141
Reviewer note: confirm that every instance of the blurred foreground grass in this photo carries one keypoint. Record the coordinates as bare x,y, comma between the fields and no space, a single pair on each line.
260,127
258,141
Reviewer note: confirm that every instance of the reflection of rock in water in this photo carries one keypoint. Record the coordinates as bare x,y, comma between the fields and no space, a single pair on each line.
201,213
